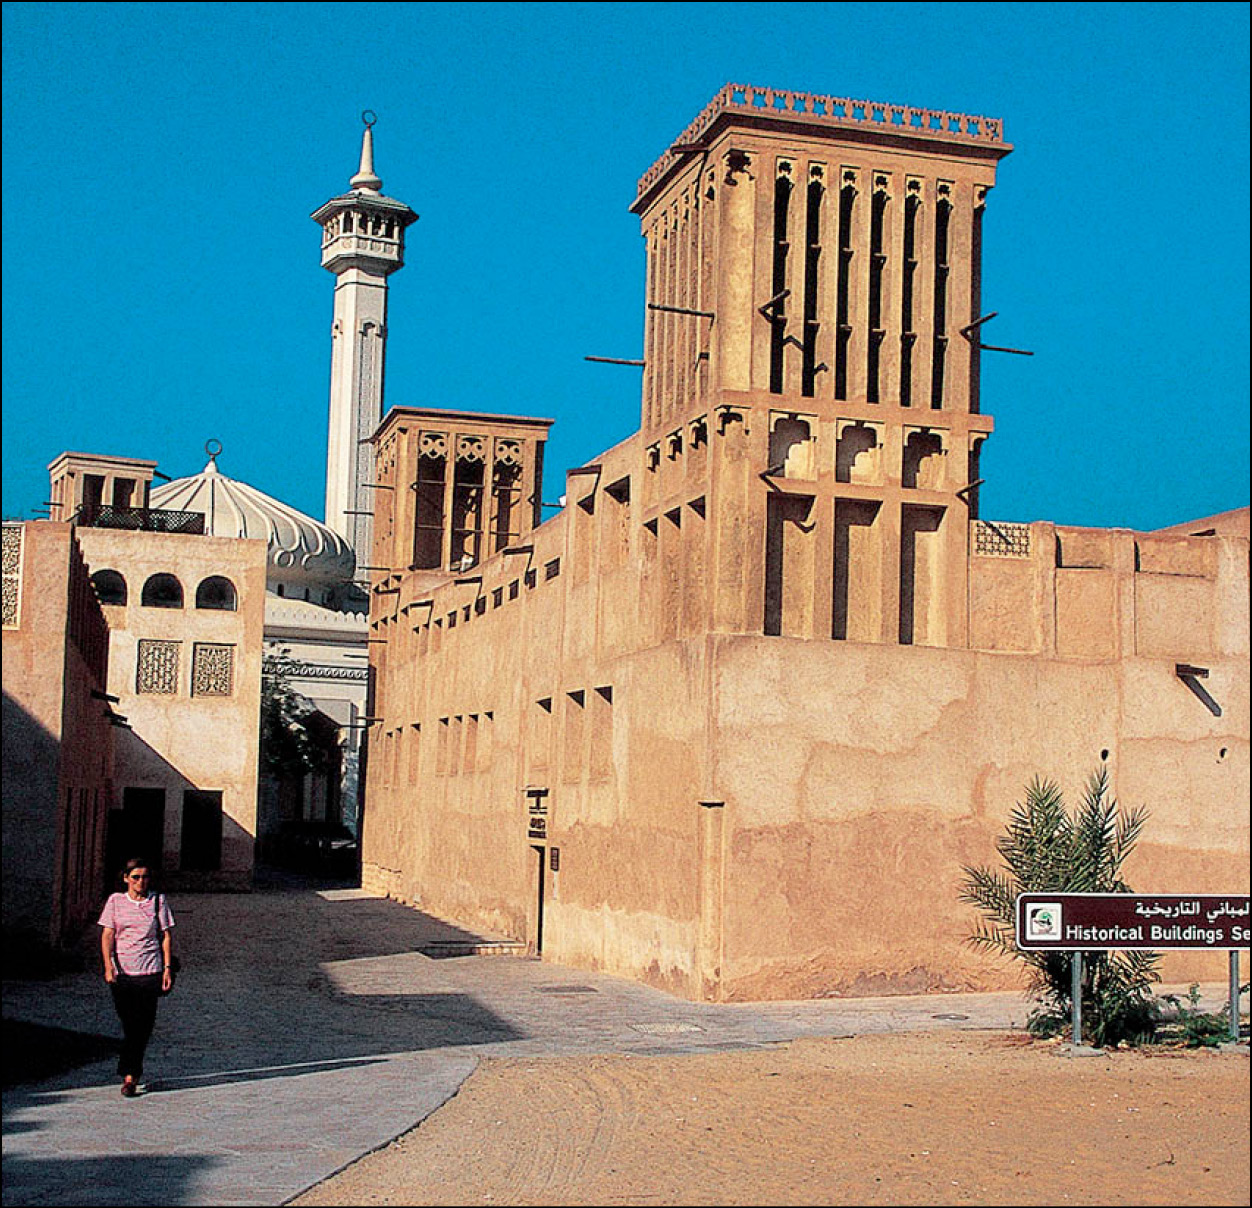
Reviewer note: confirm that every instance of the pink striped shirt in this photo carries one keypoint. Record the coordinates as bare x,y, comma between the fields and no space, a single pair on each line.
138,937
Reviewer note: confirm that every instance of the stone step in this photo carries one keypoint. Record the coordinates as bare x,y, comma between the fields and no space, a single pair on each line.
444,949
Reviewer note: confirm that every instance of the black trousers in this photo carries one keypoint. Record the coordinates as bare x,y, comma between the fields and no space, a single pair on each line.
135,999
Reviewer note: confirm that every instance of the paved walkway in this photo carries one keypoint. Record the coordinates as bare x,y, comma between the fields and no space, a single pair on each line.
307,1030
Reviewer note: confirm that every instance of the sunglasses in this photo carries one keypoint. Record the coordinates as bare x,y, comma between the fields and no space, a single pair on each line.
137,876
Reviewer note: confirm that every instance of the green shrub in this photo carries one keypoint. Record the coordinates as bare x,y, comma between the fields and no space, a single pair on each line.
1048,848
1195,1028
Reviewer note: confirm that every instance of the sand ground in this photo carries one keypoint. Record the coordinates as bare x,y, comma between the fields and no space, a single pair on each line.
919,1118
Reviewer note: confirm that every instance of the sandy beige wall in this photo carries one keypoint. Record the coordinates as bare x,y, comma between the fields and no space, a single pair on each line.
58,747
852,813
182,740
774,817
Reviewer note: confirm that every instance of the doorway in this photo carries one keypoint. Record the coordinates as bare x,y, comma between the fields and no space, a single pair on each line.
540,867
139,831
202,830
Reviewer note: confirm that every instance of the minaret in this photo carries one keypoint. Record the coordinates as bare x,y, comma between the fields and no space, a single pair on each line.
362,244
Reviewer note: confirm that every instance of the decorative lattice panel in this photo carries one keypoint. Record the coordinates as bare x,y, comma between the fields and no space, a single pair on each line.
433,444
157,667
1001,540
212,670
470,448
12,573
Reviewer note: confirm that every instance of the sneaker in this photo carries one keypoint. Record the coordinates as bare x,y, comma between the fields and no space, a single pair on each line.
129,1088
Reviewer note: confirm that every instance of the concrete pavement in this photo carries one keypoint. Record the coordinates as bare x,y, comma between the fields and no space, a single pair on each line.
307,1029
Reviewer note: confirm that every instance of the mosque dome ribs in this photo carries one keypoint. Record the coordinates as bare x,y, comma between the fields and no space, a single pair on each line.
306,558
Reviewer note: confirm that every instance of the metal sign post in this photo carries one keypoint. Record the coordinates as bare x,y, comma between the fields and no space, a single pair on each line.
1234,996
1075,997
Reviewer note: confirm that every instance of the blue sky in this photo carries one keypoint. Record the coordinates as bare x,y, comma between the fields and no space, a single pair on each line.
161,275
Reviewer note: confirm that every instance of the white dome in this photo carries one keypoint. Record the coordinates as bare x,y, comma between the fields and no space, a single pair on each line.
303,553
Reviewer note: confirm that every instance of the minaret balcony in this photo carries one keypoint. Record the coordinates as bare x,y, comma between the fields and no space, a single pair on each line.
345,250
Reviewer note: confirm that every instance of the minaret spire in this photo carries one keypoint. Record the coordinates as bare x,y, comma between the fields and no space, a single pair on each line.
362,244
365,178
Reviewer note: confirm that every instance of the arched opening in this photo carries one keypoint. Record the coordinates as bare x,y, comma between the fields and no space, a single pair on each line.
110,587
853,442
922,446
790,448
162,591
216,592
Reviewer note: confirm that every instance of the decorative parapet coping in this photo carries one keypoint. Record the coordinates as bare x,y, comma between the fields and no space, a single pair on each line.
329,671
999,539
832,110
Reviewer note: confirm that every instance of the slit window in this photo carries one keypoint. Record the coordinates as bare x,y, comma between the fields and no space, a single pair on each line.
907,335
778,312
843,332
877,268
812,260
428,532
506,504
943,214
467,495
975,309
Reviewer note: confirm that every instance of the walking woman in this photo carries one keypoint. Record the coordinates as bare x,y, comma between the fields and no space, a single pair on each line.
138,950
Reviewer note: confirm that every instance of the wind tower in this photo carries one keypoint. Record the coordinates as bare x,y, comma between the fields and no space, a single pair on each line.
814,310
362,244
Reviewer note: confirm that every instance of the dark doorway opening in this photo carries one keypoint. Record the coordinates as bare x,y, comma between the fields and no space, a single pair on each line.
202,830
137,830
540,864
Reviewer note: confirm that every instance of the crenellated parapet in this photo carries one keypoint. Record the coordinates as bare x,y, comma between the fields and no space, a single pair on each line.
824,109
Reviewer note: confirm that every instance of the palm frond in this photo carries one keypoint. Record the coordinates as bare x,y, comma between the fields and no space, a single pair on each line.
1046,847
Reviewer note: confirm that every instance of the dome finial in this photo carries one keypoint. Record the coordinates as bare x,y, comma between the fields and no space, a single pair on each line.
365,178
213,448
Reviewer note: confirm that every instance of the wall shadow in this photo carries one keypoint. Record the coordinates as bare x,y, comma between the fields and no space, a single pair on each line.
138,765
34,1052
274,984
123,1180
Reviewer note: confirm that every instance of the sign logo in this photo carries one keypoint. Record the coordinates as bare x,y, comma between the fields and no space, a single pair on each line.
1043,921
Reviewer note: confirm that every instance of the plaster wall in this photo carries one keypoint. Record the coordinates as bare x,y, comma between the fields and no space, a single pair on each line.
183,740
756,817
766,682
850,818
58,746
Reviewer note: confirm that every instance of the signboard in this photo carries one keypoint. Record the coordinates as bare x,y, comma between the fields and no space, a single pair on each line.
537,813
1131,921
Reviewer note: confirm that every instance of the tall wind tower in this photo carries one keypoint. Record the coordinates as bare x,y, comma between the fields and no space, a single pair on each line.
362,244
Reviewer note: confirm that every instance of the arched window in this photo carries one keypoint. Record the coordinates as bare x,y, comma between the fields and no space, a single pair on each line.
216,592
110,587
162,591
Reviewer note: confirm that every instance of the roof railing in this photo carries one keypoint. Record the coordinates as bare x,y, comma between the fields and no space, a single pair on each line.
842,111
147,520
